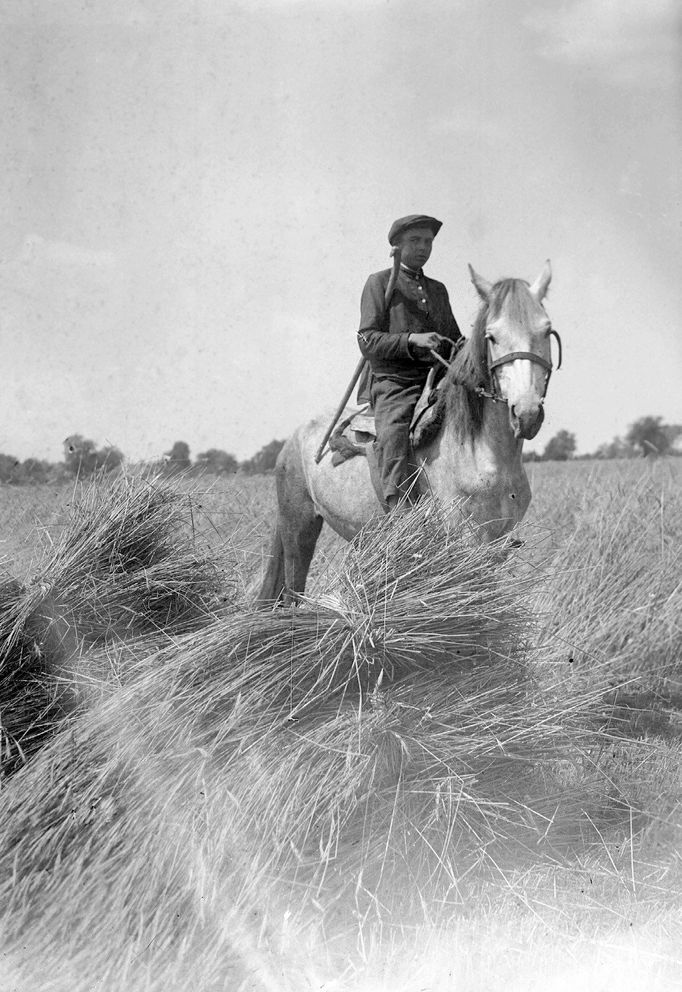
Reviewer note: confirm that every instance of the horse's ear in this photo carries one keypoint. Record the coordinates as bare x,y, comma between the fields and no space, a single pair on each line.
483,287
541,284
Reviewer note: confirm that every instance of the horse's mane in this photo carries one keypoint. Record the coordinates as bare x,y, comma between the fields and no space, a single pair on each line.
458,399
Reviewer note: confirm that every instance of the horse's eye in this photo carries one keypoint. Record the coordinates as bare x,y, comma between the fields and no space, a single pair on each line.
491,338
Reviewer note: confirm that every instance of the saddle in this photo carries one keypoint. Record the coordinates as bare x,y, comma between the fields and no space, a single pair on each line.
356,433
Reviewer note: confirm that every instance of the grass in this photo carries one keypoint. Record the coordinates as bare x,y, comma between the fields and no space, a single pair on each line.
124,567
437,774
612,561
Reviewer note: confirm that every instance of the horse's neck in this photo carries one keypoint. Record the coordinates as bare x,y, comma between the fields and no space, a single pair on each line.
493,444
484,470
496,433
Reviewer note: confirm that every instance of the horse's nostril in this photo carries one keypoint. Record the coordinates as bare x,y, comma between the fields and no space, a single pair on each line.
512,410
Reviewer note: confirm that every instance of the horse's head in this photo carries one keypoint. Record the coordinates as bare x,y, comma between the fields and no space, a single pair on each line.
518,336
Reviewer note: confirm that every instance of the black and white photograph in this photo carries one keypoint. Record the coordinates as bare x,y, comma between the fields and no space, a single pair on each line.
340,496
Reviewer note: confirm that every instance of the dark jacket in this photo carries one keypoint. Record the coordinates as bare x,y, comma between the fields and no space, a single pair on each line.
418,304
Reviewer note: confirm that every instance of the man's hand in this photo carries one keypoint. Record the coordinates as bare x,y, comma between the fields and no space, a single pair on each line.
428,340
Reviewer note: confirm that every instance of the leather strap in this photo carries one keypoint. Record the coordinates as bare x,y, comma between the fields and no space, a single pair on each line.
513,355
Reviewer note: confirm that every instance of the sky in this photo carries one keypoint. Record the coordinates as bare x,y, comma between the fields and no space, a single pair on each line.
195,192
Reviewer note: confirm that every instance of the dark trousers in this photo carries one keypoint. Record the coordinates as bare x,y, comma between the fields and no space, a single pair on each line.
394,400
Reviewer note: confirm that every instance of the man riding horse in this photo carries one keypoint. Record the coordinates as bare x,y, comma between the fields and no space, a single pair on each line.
397,336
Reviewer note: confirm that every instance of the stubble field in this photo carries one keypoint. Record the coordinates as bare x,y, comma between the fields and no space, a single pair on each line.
460,770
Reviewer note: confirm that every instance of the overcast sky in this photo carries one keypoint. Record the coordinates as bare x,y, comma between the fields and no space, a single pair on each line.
194,193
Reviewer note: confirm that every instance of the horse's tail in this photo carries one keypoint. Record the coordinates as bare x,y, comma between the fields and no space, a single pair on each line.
273,581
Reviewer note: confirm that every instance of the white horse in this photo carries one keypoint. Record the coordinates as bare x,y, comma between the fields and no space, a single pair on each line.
492,399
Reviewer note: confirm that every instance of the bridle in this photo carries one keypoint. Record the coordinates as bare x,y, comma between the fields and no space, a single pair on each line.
494,393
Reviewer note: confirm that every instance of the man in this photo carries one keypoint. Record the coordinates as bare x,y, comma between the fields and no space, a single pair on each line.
396,339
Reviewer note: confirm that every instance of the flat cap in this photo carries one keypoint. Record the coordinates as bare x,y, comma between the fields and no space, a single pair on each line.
412,220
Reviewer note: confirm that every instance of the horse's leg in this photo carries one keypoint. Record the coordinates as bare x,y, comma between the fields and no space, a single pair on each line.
296,533
273,581
299,548
298,521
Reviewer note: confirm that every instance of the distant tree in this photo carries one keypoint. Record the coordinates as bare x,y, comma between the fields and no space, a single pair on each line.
264,460
559,448
674,434
217,462
531,456
36,471
109,458
617,448
10,468
80,455
649,435
178,457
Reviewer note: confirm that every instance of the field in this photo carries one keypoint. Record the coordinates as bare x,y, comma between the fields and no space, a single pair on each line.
455,769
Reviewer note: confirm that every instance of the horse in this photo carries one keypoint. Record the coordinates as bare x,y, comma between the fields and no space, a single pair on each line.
491,400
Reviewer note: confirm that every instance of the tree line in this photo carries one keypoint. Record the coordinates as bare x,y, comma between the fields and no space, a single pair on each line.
83,458
215,461
646,436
